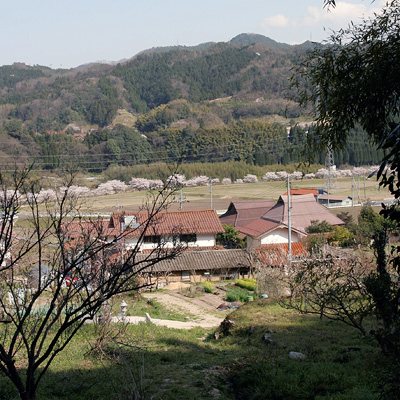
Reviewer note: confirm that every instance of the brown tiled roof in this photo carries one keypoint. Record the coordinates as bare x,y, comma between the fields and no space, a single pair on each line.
240,213
207,260
276,254
304,209
168,222
258,227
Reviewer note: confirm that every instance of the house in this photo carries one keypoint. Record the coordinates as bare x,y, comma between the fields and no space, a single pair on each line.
140,232
272,226
199,259
335,201
301,191
197,266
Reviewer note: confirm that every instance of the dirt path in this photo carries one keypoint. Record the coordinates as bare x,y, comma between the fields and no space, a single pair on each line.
201,310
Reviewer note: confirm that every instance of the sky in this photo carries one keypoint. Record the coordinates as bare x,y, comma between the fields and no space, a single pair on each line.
69,33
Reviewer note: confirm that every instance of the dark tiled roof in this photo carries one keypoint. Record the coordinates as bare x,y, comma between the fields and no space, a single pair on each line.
204,260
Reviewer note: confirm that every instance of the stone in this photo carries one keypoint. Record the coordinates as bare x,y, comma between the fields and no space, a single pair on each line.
148,318
268,339
294,355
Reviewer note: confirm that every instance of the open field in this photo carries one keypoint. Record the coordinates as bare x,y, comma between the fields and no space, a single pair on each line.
222,195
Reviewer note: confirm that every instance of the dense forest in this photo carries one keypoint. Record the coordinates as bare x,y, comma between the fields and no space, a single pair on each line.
216,102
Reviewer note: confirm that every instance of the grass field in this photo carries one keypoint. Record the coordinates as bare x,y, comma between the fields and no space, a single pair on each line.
222,195
168,364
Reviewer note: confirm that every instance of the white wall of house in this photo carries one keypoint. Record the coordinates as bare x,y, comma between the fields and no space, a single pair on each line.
279,235
203,240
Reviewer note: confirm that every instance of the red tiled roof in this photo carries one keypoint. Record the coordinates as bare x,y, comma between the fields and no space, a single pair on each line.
276,254
167,223
296,192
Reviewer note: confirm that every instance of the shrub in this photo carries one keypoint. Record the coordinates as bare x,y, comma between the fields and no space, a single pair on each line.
237,294
208,287
247,283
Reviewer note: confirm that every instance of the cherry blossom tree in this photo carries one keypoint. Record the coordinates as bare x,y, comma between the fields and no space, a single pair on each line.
249,178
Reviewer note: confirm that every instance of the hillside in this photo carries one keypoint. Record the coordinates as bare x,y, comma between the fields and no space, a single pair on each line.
165,103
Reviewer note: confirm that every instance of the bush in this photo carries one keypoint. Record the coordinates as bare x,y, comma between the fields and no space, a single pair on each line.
237,294
247,283
208,287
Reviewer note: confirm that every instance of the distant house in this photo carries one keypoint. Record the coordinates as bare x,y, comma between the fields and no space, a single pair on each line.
272,226
80,136
335,201
196,229
299,192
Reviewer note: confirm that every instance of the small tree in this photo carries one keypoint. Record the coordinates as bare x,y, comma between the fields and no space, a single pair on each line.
70,247
332,288
230,238
319,227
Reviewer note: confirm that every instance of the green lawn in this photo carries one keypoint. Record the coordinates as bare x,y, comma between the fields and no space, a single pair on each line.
162,363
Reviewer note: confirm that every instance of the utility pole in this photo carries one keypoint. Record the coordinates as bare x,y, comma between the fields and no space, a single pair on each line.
211,202
181,200
330,162
289,221
365,193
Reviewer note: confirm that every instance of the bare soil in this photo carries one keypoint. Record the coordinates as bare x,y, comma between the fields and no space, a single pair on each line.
202,309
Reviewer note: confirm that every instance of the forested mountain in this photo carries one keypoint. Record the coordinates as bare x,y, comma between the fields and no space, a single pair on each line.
208,102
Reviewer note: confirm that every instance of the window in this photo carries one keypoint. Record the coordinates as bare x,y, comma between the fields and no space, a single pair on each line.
190,237
185,276
153,239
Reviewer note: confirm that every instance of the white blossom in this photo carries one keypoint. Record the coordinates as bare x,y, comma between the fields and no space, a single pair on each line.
282,175
156,184
249,178
139,184
46,195
321,173
226,181
176,180
9,194
296,175
118,186
75,191
270,176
